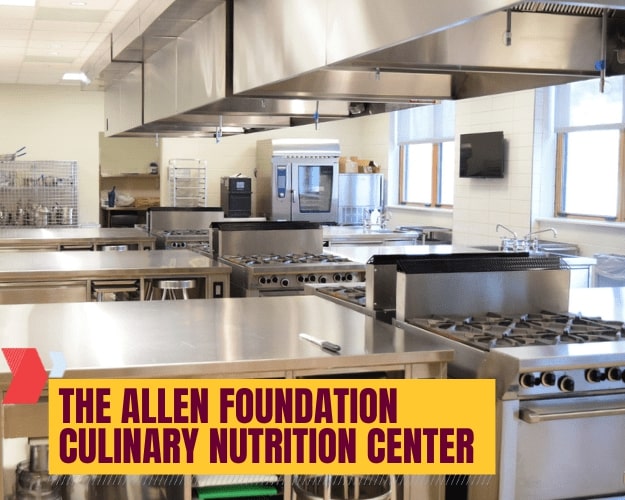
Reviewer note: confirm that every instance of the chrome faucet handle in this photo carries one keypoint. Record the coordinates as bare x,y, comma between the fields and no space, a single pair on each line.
507,229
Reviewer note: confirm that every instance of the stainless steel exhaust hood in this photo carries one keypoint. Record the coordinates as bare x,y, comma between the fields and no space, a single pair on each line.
198,66
512,47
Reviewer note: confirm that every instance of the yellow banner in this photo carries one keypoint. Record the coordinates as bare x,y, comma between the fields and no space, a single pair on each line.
285,426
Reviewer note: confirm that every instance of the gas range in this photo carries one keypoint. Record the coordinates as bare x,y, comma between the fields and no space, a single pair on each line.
279,258
287,274
183,238
559,377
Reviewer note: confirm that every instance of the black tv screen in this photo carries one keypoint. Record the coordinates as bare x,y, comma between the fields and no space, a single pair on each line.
481,155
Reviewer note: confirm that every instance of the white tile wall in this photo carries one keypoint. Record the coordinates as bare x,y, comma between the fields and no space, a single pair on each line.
481,204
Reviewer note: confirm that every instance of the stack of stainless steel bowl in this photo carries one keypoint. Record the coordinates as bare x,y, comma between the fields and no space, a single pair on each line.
33,479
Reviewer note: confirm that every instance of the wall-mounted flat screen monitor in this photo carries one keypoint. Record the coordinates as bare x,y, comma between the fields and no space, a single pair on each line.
482,155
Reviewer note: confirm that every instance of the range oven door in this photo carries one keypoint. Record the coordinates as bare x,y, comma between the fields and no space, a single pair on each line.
564,448
306,190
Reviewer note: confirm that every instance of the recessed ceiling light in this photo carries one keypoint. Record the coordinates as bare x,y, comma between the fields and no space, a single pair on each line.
78,4
77,77
18,3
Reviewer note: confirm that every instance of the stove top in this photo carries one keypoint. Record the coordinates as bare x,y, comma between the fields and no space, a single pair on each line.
494,330
355,294
291,258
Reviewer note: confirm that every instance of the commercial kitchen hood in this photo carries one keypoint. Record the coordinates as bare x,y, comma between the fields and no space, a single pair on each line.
195,67
491,50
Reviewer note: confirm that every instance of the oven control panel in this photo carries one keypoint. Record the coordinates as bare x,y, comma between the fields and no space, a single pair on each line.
298,280
580,380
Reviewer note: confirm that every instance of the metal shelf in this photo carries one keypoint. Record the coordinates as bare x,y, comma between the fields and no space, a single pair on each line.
38,193
187,183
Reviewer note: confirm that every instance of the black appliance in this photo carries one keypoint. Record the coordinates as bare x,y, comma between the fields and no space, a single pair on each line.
236,196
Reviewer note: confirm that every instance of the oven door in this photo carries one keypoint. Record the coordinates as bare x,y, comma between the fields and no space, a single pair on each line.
315,190
565,448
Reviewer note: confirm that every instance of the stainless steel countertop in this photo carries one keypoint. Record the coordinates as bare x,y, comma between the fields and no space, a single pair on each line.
213,338
362,253
11,236
88,264
358,233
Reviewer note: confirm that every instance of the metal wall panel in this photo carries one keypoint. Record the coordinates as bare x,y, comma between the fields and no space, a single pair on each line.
277,39
160,84
201,55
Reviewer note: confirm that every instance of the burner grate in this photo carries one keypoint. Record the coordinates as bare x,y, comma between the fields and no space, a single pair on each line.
292,258
494,330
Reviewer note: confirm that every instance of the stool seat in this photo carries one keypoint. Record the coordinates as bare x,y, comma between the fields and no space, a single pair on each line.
170,286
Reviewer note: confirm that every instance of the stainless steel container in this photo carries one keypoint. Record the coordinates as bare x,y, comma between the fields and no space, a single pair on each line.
359,194
36,484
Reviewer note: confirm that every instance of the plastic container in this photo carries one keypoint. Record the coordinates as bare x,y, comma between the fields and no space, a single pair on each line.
610,270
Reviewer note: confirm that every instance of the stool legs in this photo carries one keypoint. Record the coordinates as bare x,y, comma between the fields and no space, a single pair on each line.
168,288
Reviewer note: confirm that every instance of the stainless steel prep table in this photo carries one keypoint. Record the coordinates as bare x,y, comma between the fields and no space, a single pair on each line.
80,238
335,236
29,277
229,338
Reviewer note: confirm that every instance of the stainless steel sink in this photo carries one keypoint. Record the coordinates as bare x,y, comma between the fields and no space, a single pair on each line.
561,250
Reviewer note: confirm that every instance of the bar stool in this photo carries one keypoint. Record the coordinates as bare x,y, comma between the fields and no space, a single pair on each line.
345,487
169,287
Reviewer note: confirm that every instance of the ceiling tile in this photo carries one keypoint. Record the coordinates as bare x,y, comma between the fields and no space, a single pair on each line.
74,15
55,36
38,44
34,58
17,12
66,4
65,26
13,36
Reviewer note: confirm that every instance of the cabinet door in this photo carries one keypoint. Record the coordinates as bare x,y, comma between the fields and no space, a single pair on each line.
41,293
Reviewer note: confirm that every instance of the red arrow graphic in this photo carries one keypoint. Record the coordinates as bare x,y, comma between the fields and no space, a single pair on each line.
29,375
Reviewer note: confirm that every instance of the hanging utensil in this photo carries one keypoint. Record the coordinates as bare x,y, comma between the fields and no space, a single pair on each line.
12,156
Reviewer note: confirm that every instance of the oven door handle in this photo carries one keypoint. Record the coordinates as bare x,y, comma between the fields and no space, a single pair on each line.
534,417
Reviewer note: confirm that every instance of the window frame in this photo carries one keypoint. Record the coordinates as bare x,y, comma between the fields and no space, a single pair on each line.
561,141
436,166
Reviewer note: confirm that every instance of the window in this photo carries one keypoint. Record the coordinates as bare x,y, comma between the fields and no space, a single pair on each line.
427,155
427,173
590,180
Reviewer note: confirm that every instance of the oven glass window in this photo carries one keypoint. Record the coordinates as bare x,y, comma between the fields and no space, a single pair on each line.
315,188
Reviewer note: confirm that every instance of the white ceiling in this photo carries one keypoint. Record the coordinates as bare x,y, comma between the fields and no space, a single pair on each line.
39,44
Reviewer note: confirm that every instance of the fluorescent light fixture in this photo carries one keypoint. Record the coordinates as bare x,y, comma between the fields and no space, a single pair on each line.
77,77
18,3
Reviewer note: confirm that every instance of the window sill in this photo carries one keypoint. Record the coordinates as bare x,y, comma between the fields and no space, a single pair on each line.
412,208
582,222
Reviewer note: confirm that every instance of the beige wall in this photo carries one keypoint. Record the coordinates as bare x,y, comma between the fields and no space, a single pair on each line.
56,123
365,137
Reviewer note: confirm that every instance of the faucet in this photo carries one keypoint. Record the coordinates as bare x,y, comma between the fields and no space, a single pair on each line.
385,216
507,229
533,245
